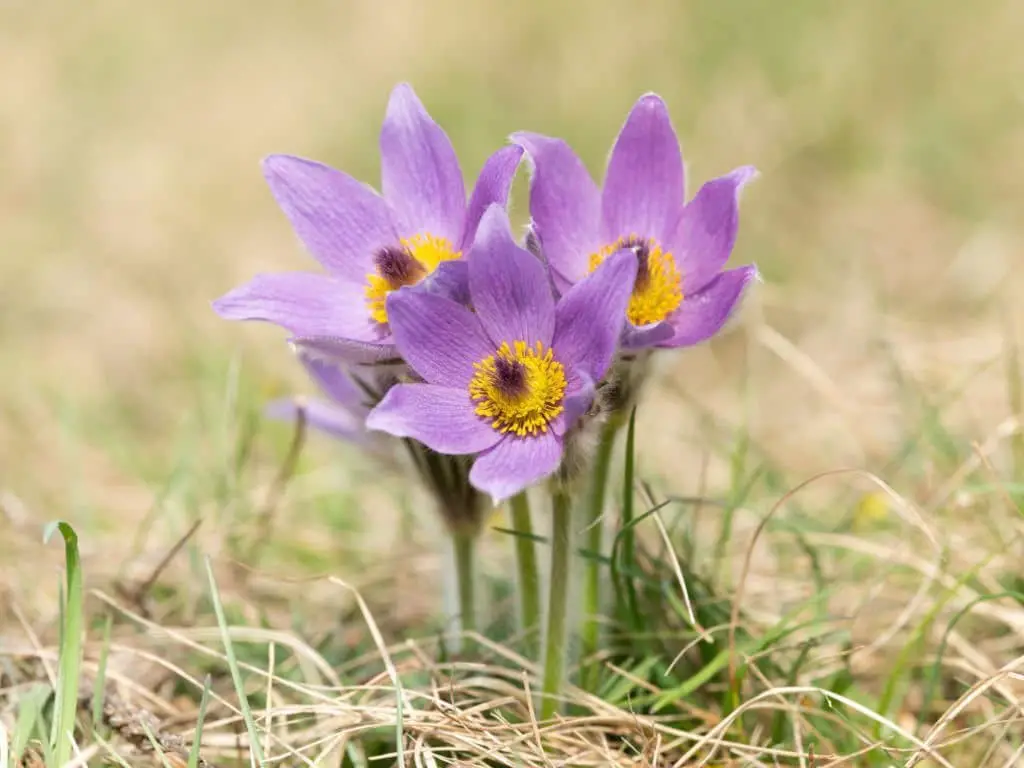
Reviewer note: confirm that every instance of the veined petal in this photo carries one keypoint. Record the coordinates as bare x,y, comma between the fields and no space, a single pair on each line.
515,464
590,317
579,395
440,339
565,205
441,418
348,350
335,382
643,188
508,286
450,279
702,315
707,227
492,187
305,304
325,417
420,173
341,221
638,337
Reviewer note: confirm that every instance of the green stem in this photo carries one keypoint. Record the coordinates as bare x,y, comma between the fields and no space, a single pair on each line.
555,645
591,632
526,566
463,560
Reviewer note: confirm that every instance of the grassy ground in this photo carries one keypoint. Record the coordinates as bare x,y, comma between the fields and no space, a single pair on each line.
882,344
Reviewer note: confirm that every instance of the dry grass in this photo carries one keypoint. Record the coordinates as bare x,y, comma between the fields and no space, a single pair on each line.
886,222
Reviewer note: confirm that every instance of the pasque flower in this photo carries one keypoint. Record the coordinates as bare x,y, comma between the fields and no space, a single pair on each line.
681,295
342,414
508,379
371,244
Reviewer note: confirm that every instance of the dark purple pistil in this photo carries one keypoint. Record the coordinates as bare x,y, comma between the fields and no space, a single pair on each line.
396,265
642,249
509,377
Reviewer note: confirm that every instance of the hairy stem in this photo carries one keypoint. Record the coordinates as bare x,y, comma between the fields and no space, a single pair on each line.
597,492
462,580
556,635
526,567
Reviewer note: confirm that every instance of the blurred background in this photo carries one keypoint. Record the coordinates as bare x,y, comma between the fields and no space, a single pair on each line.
887,223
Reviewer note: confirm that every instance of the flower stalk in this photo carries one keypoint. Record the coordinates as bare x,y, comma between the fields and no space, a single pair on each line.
556,630
526,568
594,527
464,566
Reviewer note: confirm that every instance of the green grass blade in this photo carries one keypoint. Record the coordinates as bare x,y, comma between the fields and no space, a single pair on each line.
236,673
204,702
70,662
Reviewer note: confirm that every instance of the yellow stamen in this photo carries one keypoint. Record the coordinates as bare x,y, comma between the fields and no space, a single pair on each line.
658,290
407,264
520,387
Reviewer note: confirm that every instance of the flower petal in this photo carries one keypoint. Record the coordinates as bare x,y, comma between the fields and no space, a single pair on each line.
492,186
341,221
643,187
324,417
515,464
702,315
305,304
590,317
450,279
335,382
579,394
440,339
640,336
348,350
441,418
509,287
706,230
420,173
565,205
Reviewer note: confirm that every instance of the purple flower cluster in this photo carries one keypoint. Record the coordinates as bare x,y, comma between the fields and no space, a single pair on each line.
498,353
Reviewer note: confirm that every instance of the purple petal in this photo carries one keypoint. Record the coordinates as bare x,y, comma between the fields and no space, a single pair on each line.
341,221
565,205
347,350
440,339
515,464
492,186
590,317
509,287
643,188
420,173
706,231
441,418
305,304
702,315
334,381
579,394
324,417
638,337
450,279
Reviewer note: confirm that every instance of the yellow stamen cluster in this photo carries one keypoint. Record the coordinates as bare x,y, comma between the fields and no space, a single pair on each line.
520,388
658,289
424,252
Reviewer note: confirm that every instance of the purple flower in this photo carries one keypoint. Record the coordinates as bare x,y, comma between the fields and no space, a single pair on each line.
370,244
342,415
681,295
510,379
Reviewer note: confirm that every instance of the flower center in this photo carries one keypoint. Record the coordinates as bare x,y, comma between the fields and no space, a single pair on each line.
520,388
404,264
658,289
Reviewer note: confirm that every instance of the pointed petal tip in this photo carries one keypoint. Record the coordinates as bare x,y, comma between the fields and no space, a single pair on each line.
744,175
651,100
277,164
